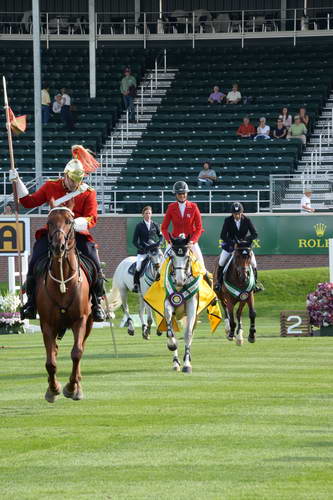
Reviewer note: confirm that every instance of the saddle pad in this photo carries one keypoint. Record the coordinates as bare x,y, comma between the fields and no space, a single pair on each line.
132,268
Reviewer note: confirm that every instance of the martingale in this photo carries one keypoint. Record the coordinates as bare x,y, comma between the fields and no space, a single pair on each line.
176,297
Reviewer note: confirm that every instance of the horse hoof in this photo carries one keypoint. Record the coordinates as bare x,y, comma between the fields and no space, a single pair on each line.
230,337
176,367
239,341
130,332
187,369
145,335
251,339
51,396
158,333
78,395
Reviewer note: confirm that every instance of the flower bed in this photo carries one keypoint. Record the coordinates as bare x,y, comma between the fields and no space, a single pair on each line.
10,320
320,305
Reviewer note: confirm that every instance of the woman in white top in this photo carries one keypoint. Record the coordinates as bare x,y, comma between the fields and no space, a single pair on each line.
234,96
263,130
286,117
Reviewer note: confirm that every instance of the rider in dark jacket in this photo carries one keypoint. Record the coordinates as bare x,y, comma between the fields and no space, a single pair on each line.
237,227
145,233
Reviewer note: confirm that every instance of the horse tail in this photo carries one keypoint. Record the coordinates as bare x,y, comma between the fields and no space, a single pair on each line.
114,296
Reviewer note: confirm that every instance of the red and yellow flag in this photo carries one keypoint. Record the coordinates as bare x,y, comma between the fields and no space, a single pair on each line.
18,124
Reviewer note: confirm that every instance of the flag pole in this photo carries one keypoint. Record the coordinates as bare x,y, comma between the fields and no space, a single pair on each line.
16,200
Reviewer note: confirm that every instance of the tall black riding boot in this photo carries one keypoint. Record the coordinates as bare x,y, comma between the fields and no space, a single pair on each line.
219,280
28,311
97,293
258,287
136,280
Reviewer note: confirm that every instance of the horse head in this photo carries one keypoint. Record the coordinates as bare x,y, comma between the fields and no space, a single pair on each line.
180,256
242,259
61,234
154,253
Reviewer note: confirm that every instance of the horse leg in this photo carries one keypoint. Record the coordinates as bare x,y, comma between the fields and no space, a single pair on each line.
191,316
172,343
230,308
239,331
73,388
252,314
144,327
226,319
54,387
149,319
124,305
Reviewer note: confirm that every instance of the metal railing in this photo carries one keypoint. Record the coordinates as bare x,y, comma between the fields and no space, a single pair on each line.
120,201
177,24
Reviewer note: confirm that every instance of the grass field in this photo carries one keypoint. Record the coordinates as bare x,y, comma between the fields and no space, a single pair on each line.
251,422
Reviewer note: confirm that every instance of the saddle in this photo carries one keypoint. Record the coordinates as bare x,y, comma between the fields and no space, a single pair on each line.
86,264
132,268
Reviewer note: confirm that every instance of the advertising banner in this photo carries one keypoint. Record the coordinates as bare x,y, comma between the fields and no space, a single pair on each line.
277,234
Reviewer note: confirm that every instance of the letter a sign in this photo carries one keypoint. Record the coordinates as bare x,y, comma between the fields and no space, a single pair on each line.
9,239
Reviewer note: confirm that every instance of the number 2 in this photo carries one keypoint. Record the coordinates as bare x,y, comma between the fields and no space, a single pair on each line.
291,328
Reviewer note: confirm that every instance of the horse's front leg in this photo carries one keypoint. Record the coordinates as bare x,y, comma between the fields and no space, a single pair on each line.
172,343
239,331
144,327
124,305
232,323
252,315
73,388
54,387
191,316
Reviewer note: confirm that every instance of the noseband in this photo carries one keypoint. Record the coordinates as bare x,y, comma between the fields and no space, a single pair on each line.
67,236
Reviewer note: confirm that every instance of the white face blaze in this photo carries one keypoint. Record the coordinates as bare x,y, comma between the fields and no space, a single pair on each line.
180,265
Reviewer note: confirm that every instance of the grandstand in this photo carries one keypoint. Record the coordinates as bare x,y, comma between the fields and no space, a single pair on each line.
176,130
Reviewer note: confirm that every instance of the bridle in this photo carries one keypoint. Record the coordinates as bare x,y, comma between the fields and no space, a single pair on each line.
243,254
187,267
68,237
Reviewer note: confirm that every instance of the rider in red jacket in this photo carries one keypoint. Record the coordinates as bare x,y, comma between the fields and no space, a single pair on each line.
85,212
186,220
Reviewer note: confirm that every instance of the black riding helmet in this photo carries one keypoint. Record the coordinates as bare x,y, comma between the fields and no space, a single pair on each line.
237,208
180,187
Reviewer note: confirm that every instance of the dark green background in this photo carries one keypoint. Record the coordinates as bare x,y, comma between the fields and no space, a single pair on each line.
278,234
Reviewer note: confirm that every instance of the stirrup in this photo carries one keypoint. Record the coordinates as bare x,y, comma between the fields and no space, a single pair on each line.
217,287
28,311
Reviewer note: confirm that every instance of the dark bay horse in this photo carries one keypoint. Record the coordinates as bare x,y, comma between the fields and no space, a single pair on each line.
237,288
63,301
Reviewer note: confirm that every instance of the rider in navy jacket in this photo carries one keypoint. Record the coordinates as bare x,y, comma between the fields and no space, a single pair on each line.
237,227
146,233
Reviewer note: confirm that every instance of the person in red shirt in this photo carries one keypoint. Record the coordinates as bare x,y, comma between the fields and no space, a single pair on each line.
246,130
186,220
85,212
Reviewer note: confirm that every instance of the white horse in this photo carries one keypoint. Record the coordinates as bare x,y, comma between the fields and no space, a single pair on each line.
122,282
181,284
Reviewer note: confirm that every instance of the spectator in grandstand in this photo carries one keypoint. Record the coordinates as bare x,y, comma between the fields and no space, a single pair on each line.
306,203
66,113
9,208
57,105
280,131
286,117
216,97
207,176
46,102
147,233
298,130
304,116
128,90
263,130
246,130
234,96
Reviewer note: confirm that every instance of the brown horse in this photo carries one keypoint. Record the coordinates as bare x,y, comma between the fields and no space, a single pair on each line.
237,288
63,301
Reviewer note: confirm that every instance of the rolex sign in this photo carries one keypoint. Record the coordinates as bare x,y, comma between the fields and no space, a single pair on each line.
293,234
14,236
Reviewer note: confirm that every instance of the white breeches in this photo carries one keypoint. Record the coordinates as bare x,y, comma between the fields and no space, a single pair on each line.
139,259
195,249
224,256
